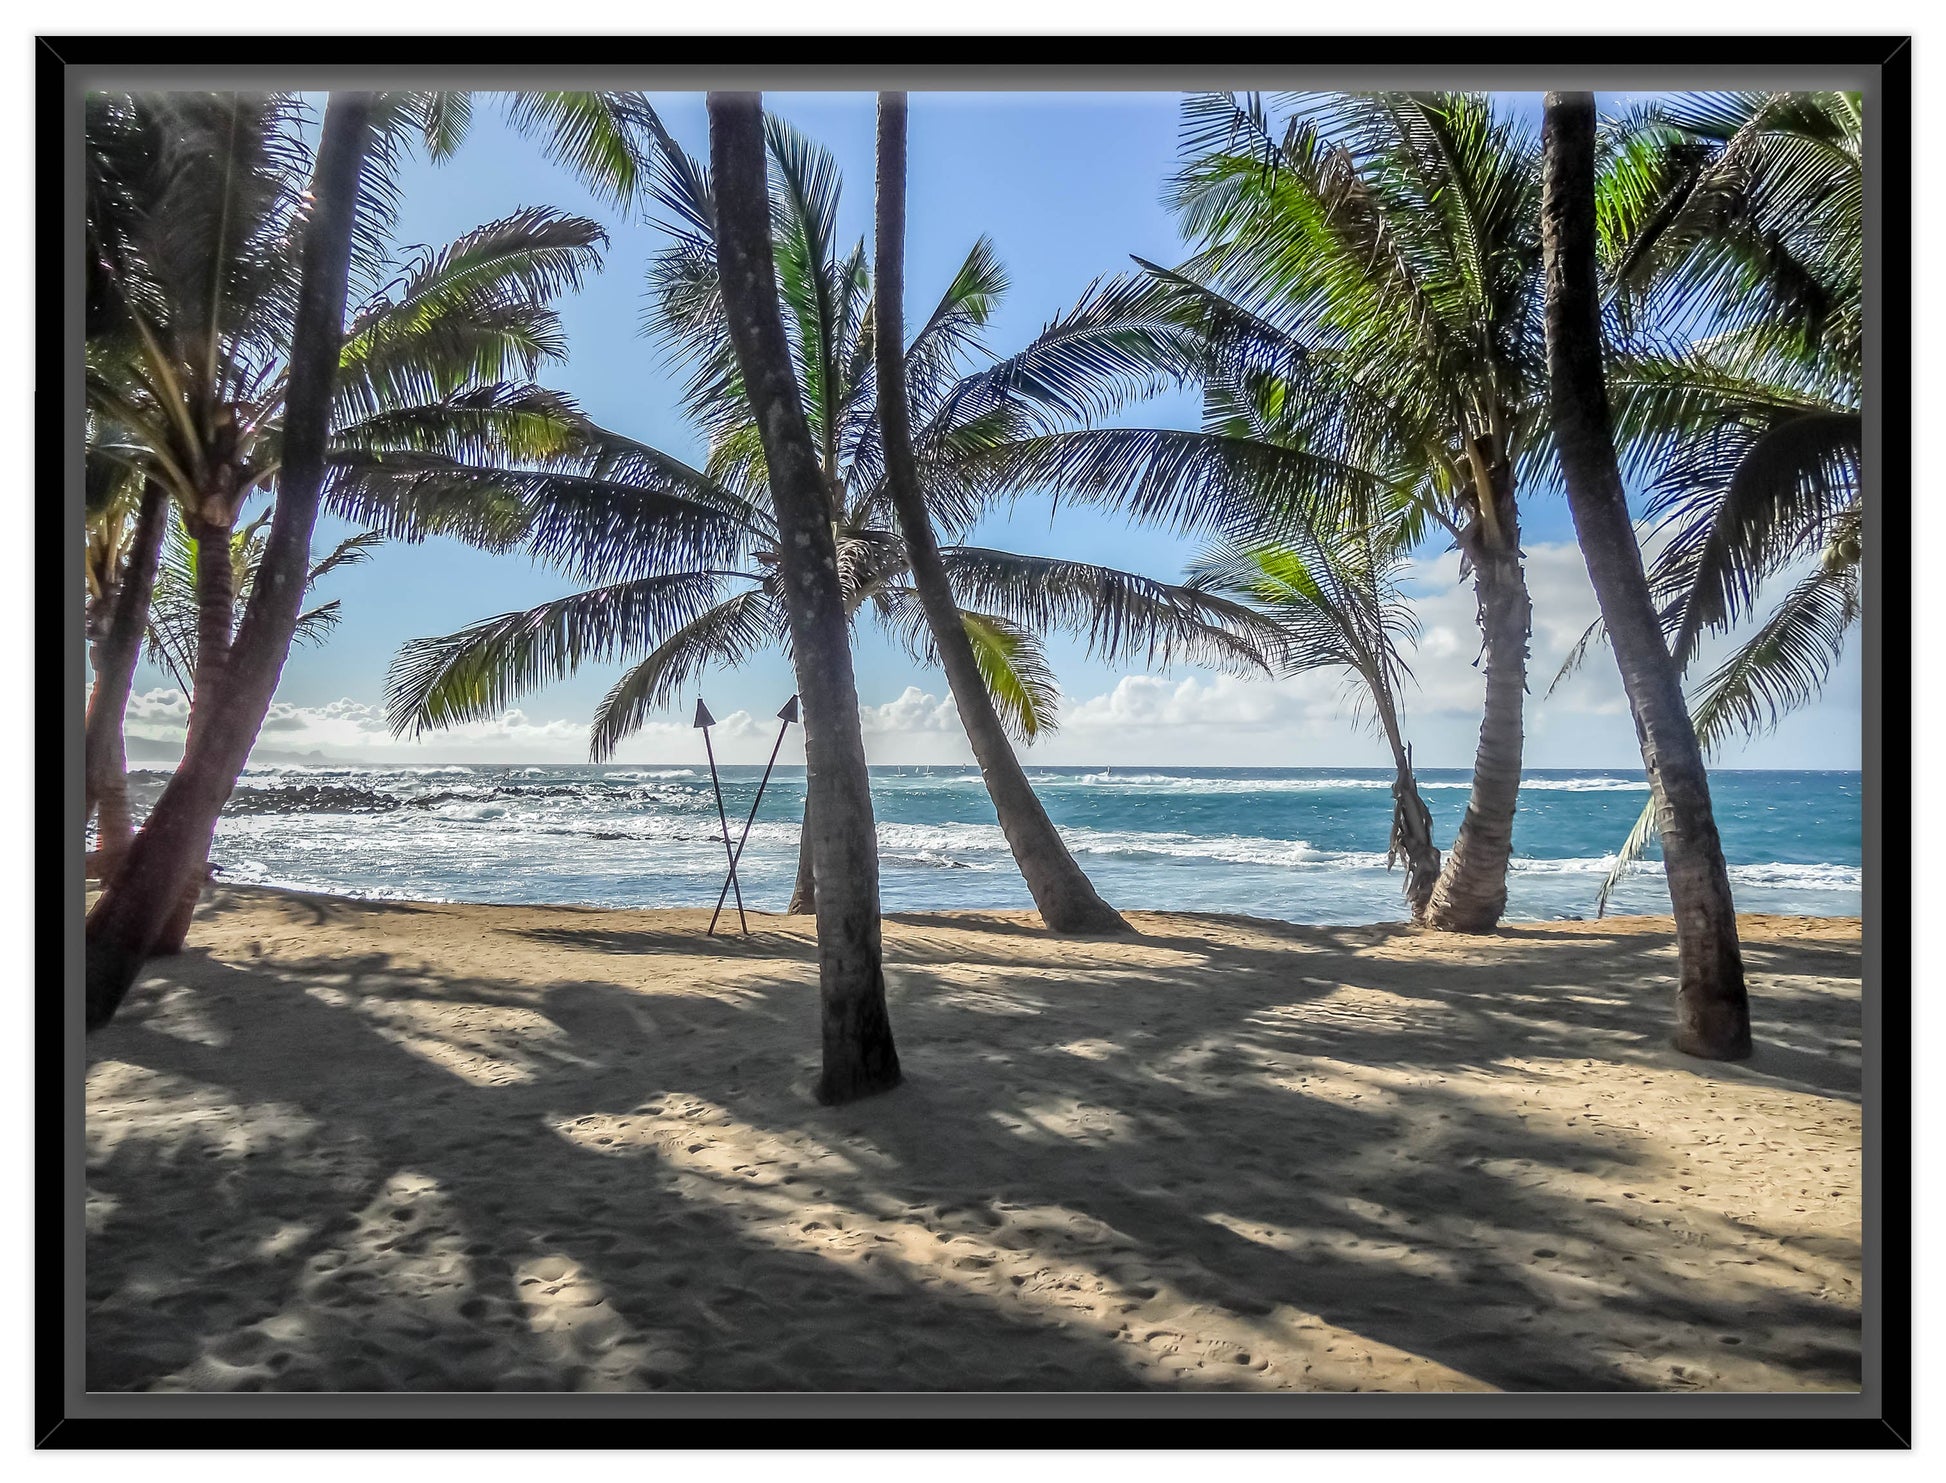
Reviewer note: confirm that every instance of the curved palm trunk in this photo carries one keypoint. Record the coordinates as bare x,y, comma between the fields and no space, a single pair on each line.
1472,889
1065,896
105,756
1712,1008
215,620
804,891
1411,820
859,1056
169,852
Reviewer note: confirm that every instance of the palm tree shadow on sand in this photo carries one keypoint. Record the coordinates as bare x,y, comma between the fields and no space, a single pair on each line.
354,1172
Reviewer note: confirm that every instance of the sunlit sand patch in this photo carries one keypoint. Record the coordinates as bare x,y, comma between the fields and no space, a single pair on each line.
1091,1050
174,1117
1405,1252
694,1135
981,1001
488,1045
1018,1262
591,1344
1066,1120
177,1014
100,1210
1498,1209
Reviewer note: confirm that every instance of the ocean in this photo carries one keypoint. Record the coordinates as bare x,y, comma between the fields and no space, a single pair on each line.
1299,844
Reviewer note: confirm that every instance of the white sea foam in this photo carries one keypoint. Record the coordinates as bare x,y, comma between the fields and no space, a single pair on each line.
1180,783
1819,876
650,775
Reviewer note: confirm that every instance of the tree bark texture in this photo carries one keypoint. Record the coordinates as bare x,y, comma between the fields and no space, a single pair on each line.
1411,839
1472,889
804,890
1712,1008
1067,899
105,758
168,854
859,1056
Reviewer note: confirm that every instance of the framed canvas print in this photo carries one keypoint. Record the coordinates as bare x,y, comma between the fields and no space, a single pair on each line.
1193,732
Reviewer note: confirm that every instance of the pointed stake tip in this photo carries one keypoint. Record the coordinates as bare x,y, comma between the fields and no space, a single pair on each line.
789,713
703,717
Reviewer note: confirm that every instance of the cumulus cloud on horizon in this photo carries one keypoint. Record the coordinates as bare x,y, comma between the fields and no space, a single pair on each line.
1308,720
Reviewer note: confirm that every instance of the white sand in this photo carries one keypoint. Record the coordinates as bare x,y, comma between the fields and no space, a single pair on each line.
357,1145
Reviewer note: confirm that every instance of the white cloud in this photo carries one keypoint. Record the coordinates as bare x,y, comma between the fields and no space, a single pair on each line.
914,711
1311,720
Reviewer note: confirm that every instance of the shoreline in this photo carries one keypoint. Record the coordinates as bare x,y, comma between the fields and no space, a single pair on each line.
92,888
344,1144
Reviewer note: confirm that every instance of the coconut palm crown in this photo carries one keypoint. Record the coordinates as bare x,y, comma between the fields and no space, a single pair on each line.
195,279
685,559
1732,236
1734,229
1362,313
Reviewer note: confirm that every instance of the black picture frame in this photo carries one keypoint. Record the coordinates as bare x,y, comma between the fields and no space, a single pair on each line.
66,1416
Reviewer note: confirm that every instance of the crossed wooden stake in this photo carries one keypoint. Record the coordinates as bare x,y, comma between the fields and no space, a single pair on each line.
704,720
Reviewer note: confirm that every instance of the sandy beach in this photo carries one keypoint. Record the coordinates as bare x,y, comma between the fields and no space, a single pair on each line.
355,1145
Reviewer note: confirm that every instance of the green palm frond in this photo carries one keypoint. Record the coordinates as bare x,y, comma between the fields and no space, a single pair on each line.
1764,498
1743,208
725,634
591,528
1641,834
1780,667
482,425
1332,597
608,139
316,625
1784,664
1014,669
353,550
1122,616
1193,481
1122,341
477,672
527,259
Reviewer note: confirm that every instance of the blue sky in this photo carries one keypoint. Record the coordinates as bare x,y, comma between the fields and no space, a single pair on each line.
1068,186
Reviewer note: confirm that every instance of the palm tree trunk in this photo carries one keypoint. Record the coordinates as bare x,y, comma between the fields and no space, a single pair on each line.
1411,820
859,1056
1472,889
1712,1008
215,604
804,891
169,852
115,655
215,624
1065,896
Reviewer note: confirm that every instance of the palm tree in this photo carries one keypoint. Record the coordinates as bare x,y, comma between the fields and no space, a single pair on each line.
859,1055
136,906
170,638
1067,899
688,563
125,524
213,262
1363,315
1334,598
1712,1010
165,594
427,370
1732,236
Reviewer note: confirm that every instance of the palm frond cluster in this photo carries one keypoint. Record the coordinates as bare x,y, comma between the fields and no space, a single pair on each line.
1359,306
1732,225
684,561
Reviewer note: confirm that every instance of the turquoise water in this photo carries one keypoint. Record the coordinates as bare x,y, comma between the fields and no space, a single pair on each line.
1305,845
